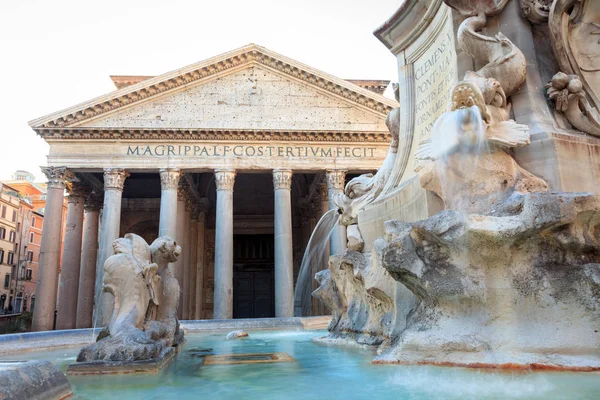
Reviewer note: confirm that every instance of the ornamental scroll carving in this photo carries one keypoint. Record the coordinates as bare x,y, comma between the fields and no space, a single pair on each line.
169,178
575,36
282,179
225,179
114,178
57,176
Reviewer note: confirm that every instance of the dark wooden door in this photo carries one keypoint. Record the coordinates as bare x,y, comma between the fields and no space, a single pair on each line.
253,293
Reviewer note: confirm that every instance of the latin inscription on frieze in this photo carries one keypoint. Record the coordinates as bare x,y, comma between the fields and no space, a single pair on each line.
434,73
167,150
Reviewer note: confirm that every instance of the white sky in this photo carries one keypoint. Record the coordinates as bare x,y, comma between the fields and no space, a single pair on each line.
58,53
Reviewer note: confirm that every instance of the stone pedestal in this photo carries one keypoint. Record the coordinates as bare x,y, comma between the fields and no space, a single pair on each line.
114,180
43,315
284,266
169,181
223,301
89,255
66,315
335,185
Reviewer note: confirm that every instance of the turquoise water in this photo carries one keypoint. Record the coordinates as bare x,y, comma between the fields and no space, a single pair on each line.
318,373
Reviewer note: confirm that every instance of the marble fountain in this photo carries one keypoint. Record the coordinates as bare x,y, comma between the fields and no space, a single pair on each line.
475,246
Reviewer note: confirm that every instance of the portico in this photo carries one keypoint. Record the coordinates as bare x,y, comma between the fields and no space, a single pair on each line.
226,155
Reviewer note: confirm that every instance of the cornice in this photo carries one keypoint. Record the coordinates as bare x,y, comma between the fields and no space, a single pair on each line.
251,54
211,134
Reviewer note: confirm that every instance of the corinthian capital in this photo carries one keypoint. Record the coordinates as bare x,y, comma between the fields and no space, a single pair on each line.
182,190
169,178
336,179
93,202
57,176
114,178
78,189
224,179
282,179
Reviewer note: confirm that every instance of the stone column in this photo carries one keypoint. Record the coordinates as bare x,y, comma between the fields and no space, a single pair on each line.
193,244
114,180
223,301
335,185
89,254
318,307
178,266
169,181
185,310
284,265
68,286
200,262
43,315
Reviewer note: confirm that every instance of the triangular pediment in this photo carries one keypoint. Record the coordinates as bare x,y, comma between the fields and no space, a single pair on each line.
253,98
250,88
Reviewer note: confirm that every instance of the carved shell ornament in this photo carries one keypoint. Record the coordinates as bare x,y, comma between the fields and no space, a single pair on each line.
575,35
570,99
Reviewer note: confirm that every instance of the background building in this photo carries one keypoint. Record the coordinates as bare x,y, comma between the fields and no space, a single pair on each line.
9,212
20,273
236,157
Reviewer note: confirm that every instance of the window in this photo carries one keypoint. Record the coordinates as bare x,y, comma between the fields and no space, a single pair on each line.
6,281
3,211
2,233
31,237
18,227
12,236
28,274
14,217
30,256
9,259
33,222
1,256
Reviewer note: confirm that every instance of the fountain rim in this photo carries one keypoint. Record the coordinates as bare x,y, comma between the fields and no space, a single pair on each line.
50,340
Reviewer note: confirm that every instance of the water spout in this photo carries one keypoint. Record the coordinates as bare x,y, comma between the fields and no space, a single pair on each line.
314,254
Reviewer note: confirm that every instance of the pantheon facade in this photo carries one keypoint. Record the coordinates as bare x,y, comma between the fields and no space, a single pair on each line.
234,157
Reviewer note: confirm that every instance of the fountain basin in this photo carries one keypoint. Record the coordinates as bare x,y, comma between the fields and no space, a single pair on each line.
317,372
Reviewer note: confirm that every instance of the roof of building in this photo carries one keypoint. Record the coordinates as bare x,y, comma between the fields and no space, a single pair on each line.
374,85
140,88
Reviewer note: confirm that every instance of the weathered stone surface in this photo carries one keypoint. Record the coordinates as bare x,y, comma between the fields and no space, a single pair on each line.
32,380
495,289
355,240
367,305
237,334
139,365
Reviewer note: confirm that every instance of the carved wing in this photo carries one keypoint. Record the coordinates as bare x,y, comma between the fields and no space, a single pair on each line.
508,134
424,151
